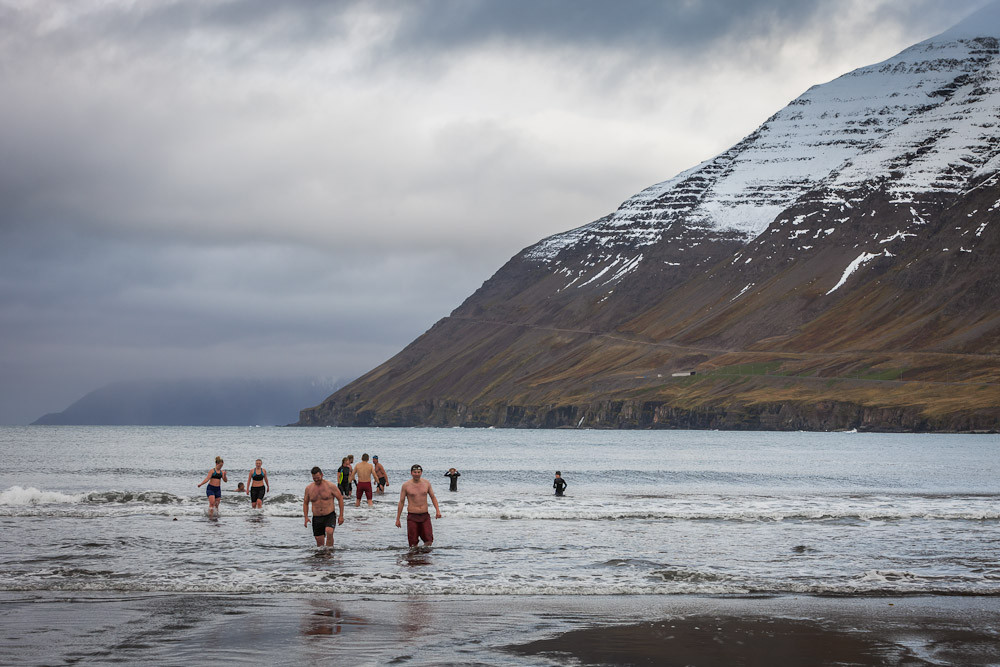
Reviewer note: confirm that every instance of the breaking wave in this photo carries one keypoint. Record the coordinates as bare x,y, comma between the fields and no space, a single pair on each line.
31,501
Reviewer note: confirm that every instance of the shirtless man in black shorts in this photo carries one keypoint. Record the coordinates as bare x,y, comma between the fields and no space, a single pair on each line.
321,494
381,476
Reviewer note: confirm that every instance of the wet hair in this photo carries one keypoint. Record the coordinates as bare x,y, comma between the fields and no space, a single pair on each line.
364,457
558,473
350,457
218,460
316,470
343,460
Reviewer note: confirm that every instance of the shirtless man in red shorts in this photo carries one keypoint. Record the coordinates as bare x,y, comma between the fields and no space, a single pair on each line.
362,477
414,493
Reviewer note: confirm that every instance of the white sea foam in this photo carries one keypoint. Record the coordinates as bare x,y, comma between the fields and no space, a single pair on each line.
20,496
874,582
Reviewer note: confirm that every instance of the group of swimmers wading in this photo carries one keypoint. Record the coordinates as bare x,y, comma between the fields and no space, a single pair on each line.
325,496
361,476
257,485
414,492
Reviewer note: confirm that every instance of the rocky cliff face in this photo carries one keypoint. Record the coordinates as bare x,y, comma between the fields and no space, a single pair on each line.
846,250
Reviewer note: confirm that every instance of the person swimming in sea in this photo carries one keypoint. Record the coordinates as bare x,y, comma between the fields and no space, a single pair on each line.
559,484
259,485
454,475
215,477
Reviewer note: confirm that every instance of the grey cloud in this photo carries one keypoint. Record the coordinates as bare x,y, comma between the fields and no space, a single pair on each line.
251,30
644,29
88,311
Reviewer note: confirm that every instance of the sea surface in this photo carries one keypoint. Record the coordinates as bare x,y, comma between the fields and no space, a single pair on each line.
646,512
114,513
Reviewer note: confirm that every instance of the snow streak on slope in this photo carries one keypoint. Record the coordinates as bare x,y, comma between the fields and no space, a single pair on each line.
924,122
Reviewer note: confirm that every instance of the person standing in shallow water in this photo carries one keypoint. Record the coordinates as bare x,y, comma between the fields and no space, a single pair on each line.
322,495
381,476
454,475
559,484
350,471
259,485
362,477
215,477
414,493
344,478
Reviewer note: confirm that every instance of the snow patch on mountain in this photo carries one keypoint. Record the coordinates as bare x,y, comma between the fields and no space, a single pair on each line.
861,259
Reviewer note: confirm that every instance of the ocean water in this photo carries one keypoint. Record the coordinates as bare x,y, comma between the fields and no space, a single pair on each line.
116,510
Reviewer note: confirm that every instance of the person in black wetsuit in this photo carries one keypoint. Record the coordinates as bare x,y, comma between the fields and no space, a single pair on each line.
559,484
454,475
344,477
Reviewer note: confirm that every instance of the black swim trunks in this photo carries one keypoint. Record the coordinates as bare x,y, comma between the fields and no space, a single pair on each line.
321,522
256,493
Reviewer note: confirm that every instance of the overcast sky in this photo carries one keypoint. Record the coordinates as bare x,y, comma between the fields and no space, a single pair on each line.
263,189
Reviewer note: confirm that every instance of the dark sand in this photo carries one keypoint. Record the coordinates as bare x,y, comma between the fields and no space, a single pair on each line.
727,640
46,628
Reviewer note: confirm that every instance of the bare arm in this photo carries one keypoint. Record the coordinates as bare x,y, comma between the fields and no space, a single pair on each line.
340,501
305,507
207,477
402,499
267,482
430,492
224,478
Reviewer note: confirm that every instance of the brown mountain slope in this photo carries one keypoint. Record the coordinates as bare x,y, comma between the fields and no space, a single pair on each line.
909,343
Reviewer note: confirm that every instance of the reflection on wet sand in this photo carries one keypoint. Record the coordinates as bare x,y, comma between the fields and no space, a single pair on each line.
327,618
416,556
418,617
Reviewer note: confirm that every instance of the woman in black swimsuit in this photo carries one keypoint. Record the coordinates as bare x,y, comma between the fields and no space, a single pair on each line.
215,477
257,481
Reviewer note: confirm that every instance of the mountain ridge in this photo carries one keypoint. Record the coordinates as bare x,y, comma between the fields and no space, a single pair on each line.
859,221
193,402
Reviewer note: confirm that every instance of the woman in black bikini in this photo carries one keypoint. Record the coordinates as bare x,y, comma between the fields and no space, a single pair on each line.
258,484
215,477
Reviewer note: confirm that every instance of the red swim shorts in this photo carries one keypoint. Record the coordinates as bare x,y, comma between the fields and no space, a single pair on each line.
419,526
364,488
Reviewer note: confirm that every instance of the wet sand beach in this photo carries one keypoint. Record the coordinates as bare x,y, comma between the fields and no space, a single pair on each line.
524,630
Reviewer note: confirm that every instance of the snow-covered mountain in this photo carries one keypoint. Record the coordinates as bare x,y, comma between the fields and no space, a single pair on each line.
926,122
851,240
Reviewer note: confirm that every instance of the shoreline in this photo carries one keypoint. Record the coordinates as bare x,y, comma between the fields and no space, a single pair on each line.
47,628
